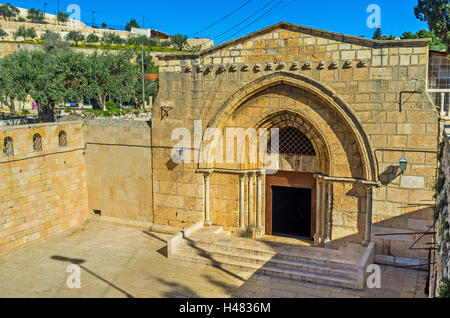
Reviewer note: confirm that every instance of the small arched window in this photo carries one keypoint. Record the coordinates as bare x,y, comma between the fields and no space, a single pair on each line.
292,141
37,142
8,147
62,138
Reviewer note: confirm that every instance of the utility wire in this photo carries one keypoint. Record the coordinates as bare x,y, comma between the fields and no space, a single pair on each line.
246,19
257,19
221,19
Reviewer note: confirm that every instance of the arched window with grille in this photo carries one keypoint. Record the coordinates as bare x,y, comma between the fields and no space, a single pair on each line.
292,141
8,147
62,138
37,142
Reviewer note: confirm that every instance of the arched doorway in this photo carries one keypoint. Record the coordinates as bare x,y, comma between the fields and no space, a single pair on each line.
312,116
290,193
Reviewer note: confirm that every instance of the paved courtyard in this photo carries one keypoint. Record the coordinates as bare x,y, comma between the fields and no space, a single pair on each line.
119,261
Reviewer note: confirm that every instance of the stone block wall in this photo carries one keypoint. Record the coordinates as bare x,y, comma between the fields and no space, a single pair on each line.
42,193
119,168
441,256
383,83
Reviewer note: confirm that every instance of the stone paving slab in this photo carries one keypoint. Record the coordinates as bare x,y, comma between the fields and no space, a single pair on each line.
118,261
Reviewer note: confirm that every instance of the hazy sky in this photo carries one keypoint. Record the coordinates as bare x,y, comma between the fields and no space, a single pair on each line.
189,17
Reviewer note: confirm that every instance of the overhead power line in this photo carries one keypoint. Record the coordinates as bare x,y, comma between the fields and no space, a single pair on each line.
257,19
221,19
245,20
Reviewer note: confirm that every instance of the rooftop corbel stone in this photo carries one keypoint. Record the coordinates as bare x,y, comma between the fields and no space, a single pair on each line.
281,66
334,65
348,64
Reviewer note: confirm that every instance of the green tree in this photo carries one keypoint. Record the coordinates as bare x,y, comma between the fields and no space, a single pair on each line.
436,14
36,16
31,33
111,38
25,33
11,89
62,17
435,44
47,77
104,25
377,34
132,24
8,11
110,74
92,38
75,37
3,34
179,41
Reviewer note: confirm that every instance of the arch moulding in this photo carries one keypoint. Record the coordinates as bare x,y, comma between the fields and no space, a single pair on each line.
314,87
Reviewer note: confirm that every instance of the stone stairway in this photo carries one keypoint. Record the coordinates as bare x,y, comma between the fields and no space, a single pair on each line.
243,258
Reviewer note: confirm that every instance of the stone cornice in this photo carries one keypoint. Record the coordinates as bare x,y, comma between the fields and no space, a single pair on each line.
302,29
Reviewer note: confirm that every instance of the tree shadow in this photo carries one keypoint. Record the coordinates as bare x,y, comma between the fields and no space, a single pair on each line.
79,262
179,291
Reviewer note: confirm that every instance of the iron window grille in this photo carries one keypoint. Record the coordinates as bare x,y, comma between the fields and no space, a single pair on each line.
292,141
37,142
8,147
62,138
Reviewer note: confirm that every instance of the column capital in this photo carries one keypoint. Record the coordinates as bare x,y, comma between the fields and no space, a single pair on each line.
243,175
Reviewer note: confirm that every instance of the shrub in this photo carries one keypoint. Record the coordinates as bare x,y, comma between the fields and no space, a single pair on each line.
440,207
110,105
444,291
3,34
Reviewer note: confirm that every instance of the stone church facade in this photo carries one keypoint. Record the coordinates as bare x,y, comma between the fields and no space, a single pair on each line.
347,108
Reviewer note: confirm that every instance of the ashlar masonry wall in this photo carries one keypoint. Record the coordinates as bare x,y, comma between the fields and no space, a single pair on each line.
42,192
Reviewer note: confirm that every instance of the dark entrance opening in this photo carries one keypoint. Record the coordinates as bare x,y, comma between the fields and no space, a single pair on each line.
291,211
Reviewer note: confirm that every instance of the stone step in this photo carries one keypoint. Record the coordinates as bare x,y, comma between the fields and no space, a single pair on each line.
275,268
274,261
307,256
311,277
310,268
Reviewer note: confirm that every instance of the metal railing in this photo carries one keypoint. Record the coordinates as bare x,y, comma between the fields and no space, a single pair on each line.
441,97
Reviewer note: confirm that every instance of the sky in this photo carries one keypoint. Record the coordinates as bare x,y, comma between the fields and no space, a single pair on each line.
191,16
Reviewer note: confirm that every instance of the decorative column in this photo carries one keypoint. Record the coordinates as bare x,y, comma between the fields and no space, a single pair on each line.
443,105
368,234
251,212
259,216
207,176
329,212
317,237
323,218
242,228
